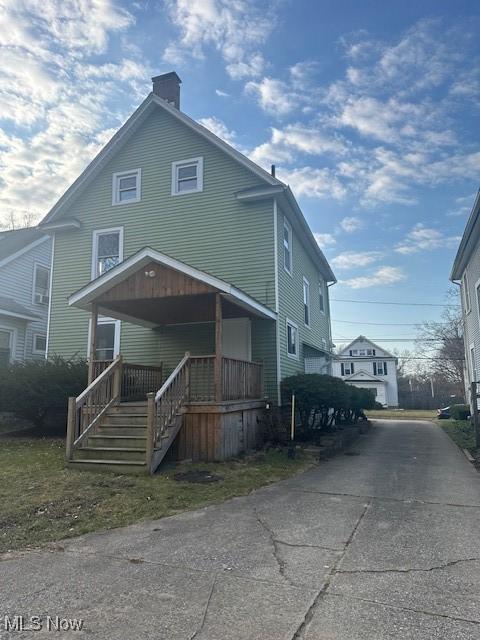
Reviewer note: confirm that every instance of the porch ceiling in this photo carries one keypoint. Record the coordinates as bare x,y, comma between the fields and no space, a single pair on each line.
153,289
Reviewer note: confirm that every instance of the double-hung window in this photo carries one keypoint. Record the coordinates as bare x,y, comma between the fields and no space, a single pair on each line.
41,284
187,176
39,343
306,302
292,340
6,340
348,368
287,246
107,250
126,187
380,369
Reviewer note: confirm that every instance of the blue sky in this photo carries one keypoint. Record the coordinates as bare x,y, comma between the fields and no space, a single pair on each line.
369,110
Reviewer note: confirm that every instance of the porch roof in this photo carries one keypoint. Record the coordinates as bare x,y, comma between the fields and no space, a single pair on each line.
145,285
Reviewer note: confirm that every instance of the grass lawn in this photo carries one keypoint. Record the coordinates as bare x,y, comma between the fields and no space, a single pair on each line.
403,414
461,432
43,502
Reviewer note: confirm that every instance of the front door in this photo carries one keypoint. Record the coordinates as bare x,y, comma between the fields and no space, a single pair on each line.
237,338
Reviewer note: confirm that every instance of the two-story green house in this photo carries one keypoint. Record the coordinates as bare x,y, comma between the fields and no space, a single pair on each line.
171,242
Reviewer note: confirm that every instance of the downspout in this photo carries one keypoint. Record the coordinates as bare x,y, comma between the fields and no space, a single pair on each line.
330,341
50,297
277,323
466,374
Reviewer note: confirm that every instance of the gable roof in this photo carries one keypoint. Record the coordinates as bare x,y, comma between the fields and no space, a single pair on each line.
9,307
365,377
364,339
14,243
151,102
469,241
87,294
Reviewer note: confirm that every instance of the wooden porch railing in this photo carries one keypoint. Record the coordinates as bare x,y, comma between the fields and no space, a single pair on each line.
87,410
241,380
202,387
139,379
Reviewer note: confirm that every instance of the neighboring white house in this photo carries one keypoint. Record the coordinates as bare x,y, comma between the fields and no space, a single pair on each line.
25,256
466,272
365,365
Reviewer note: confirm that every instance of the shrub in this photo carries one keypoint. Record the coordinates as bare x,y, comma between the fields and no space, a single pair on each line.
460,411
39,388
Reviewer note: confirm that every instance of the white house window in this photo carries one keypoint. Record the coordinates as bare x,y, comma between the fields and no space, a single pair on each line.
108,339
306,302
107,250
362,352
466,293
41,284
39,344
5,347
292,339
380,369
321,296
287,246
348,368
187,176
126,187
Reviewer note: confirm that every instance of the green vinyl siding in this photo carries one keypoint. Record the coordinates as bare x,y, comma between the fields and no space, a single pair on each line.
291,302
264,351
211,230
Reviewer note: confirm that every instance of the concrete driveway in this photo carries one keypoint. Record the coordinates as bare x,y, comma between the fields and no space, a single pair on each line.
381,544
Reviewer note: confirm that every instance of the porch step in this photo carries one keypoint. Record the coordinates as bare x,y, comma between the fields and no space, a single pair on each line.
117,440
123,430
110,453
130,408
111,466
125,419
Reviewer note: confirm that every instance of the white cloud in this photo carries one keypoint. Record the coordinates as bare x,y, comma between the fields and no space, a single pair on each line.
324,240
313,183
422,238
353,259
274,96
234,29
351,224
381,277
222,94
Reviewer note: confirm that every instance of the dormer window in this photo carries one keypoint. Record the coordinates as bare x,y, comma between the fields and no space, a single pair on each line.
126,187
187,176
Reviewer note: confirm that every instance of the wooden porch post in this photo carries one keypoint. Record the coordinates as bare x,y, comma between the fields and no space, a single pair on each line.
93,341
218,349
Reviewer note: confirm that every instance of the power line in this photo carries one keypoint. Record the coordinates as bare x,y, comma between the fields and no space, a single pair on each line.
403,304
401,339
387,324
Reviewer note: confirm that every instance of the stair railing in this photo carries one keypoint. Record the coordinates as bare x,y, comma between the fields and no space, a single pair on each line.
86,411
164,405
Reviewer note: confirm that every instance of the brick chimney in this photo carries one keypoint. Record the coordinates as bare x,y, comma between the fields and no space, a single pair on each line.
167,86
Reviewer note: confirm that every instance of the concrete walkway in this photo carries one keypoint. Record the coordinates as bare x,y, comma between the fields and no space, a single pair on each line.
377,545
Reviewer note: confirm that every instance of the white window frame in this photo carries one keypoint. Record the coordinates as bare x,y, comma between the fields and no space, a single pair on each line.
116,338
137,173
294,356
95,236
36,266
321,297
35,351
13,341
466,293
306,302
186,163
288,227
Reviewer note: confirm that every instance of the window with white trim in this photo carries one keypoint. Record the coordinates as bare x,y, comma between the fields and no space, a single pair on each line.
187,176
107,250
39,344
287,246
6,340
126,188
466,293
306,302
41,284
292,339
321,297
380,369
108,339
348,368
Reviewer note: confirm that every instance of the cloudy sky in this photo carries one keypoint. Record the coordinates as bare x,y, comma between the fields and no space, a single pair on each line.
369,110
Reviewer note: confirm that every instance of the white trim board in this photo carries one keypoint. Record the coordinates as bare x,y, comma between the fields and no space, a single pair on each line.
20,252
85,296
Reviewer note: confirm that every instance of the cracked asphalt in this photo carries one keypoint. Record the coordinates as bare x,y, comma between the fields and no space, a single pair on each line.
383,544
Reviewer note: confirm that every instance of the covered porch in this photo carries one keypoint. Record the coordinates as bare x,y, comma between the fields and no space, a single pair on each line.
156,291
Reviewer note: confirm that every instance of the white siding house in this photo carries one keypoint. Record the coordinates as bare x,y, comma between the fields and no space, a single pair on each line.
365,365
466,273
25,256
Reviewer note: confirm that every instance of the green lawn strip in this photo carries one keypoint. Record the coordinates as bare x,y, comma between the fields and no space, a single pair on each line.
461,432
406,414
41,501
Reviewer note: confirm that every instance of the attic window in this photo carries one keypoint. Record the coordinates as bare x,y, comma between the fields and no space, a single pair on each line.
187,176
126,187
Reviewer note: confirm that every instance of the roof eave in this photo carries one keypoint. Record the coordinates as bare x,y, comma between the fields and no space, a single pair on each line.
466,243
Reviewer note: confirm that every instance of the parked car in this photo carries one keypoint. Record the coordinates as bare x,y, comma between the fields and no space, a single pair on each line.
443,414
